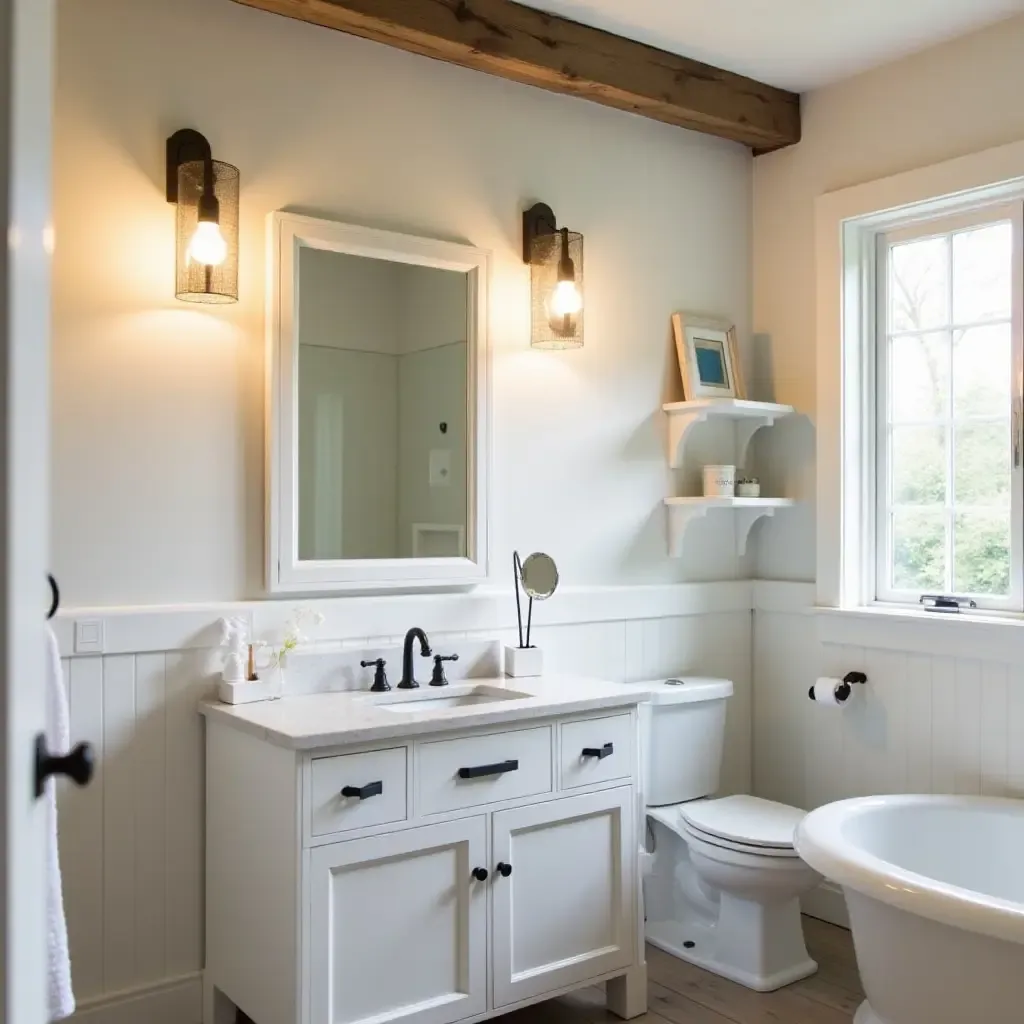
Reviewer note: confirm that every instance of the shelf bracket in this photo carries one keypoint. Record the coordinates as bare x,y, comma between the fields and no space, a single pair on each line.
745,431
681,516
745,519
679,426
681,423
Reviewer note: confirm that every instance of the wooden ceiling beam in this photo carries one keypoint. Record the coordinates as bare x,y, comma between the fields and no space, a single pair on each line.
516,42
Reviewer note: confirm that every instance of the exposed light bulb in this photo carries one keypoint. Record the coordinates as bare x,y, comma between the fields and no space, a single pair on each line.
208,245
566,300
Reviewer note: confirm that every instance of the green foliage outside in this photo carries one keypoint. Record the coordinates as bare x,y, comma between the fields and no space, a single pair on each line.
981,487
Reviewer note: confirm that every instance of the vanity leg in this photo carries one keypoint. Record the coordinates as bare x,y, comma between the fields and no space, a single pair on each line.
626,996
217,1008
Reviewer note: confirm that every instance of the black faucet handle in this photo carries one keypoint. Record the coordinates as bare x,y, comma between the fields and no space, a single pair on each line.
438,678
380,677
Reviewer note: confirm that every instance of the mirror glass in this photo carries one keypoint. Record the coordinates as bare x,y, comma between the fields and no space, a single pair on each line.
540,576
383,394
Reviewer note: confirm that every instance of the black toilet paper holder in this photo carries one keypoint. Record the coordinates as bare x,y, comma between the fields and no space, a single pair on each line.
843,689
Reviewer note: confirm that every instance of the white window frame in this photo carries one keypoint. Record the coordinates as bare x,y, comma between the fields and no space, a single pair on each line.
847,225
875,354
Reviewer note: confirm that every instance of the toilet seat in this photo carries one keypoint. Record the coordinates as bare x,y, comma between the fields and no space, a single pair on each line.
749,849
745,824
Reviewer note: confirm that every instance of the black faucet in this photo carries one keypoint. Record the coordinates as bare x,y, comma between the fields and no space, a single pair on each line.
408,676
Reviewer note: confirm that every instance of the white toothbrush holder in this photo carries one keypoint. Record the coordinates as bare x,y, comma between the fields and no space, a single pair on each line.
523,662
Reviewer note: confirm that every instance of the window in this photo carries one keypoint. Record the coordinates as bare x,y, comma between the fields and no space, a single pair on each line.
949,487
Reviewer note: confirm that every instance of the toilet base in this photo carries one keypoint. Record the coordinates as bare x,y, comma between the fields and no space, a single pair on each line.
669,936
865,1015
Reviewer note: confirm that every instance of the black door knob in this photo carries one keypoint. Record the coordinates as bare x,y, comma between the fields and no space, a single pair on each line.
77,764
480,874
504,869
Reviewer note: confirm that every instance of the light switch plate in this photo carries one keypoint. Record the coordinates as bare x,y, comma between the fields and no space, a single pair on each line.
88,636
441,467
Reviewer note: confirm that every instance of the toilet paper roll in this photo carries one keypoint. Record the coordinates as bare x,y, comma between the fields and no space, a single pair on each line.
830,692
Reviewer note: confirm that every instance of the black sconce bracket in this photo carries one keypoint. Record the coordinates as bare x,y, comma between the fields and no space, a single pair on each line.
538,220
184,146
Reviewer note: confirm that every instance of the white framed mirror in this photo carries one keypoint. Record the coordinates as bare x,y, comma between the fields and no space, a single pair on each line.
377,409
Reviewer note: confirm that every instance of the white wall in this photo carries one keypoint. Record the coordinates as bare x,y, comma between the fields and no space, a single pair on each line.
434,309
943,103
158,433
431,391
350,302
348,439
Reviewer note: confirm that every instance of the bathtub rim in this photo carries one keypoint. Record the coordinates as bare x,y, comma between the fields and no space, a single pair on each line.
820,842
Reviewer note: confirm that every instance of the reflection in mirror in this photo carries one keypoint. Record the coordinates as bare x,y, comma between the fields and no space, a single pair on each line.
382,408
539,575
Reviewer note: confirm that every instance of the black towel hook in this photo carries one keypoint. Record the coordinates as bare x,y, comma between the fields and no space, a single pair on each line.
55,591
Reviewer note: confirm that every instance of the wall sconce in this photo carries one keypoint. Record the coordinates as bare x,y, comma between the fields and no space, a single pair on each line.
206,191
555,257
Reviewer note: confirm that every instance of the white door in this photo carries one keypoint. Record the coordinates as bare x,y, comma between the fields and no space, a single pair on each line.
399,926
26,71
563,893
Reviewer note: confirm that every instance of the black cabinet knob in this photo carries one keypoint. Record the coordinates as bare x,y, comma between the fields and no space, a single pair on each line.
480,874
78,764
504,869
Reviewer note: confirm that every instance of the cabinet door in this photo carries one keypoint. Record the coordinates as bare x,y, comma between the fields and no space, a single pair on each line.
398,926
565,912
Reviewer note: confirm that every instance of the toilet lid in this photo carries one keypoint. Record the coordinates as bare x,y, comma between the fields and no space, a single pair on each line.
747,820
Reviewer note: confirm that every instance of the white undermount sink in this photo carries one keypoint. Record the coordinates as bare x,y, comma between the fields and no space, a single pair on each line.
439,699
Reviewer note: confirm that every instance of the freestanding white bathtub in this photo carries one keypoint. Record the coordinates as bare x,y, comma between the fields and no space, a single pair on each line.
935,889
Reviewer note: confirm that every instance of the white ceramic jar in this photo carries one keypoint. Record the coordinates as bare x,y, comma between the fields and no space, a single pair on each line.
719,481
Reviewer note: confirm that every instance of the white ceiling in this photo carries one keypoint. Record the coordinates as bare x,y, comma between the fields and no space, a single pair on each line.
794,44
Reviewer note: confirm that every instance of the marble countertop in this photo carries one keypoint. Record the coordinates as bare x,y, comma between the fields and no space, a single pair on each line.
338,719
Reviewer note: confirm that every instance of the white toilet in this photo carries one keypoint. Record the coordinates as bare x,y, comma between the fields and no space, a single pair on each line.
724,885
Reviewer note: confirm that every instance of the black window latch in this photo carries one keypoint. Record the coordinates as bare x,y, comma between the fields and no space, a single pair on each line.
946,603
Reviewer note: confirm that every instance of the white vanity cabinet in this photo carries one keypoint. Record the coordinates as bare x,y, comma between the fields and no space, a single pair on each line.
465,873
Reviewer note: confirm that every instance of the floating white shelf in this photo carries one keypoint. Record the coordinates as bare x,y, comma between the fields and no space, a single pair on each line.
750,418
747,511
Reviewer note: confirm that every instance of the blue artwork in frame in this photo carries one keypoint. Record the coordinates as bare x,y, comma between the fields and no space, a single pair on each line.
711,367
708,361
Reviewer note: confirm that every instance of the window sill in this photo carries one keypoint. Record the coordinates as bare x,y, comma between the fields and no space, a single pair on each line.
988,636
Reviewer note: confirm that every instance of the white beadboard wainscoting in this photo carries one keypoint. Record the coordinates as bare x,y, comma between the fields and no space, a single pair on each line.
132,842
942,711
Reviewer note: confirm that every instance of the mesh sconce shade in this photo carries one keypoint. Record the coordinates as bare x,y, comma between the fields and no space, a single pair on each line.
189,170
556,258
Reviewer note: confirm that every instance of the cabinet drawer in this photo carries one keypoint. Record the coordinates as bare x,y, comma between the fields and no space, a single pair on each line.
378,774
596,750
483,769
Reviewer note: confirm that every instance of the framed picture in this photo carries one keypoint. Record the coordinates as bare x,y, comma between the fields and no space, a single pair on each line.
708,359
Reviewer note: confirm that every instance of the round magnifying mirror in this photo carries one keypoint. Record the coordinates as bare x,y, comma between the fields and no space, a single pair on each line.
539,576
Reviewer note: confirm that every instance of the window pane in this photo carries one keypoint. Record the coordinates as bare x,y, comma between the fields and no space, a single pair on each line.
919,463
982,560
982,262
982,370
919,550
983,464
919,377
919,285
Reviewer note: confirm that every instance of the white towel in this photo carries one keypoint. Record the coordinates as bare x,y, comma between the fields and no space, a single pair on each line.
58,740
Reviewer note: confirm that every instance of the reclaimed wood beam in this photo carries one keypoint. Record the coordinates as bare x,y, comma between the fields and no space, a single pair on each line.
516,42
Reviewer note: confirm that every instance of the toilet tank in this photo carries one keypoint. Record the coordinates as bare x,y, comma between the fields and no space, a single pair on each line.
682,733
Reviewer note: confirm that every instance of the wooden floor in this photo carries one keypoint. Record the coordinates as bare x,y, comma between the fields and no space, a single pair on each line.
679,993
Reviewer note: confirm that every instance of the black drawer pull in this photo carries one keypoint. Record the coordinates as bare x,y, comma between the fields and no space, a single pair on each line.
599,752
504,869
480,770
370,789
